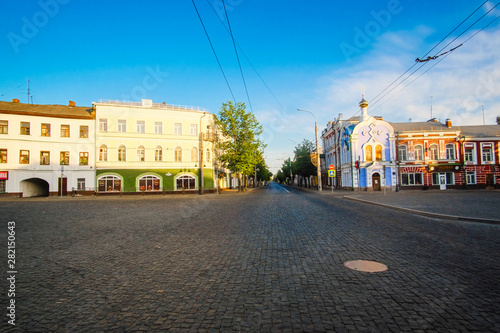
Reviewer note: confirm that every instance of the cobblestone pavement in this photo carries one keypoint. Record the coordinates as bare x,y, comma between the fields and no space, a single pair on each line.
267,261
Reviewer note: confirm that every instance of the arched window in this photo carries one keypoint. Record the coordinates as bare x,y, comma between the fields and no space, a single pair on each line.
418,153
158,154
194,154
109,184
178,154
103,153
141,154
122,153
208,155
369,153
434,151
378,153
450,151
402,153
186,182
149,183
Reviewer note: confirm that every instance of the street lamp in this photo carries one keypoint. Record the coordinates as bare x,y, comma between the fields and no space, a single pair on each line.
318,167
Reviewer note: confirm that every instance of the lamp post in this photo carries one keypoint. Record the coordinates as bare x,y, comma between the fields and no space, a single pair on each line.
318,167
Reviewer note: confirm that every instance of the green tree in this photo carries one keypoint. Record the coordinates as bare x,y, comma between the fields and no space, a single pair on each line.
239,144
303,165
498,120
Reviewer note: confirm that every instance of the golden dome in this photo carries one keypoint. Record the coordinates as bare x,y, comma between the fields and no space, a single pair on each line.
363,103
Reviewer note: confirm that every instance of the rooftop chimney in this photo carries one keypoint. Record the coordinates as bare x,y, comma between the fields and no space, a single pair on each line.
448,123
15,100
71,103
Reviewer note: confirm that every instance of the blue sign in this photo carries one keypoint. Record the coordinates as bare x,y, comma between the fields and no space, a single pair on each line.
331,173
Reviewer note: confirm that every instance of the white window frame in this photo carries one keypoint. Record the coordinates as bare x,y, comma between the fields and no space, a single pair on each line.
434,148
411,177
194,154
491,153
103,153
141,126
122,153
158,154
122,125
403,153
472,159
178,154
158,127
178,129
471,177
418,151
451,152
103,124
141,154
193,129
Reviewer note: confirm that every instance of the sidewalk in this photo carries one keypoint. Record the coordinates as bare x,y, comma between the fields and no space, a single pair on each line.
469,205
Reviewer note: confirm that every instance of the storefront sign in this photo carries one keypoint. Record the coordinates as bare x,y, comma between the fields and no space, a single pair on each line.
445,168
4,175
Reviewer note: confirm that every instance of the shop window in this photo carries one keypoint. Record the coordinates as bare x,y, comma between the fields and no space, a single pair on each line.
450,178
64,131
186,182
84,131
45,158
25,128
84,158
4,127
411,179
149,183
109,184
45,130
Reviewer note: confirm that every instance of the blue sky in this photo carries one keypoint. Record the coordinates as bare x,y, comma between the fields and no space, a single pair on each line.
317,55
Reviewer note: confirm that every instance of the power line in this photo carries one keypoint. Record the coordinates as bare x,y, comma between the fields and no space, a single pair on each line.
248,60
237,57
213,50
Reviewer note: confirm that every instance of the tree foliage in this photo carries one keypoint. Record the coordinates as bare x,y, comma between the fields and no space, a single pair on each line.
303,165
240,146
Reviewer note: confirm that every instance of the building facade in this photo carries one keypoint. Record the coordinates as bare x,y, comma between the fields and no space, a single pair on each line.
152,147
46,149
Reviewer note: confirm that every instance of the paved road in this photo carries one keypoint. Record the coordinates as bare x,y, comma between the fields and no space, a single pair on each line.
268,261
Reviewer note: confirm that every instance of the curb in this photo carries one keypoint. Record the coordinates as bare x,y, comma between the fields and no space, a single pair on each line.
428,214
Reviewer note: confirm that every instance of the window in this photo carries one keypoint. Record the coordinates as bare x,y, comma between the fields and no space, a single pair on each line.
369,153
109,184
64,131
470,151
141,154
64,158
208,155
193,129
402,153
103,153
149,183
3,155
471,177
434,152
487,152
25,128
378,152
141,126
84,158
178,154
122,126
80,184
450,151
158,154
45,129
450,179
45,158
103,125
194,154
178,129
84,131
4,127
158,127
24,156
186,182
418,153
122,153
411,179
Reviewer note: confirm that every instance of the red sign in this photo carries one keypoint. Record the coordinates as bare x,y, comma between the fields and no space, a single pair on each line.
331,167
4,175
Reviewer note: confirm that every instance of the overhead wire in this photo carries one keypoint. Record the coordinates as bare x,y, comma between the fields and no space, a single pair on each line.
237,57
213,50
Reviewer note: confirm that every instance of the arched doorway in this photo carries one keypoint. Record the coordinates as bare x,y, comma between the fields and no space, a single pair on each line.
376,181
34,187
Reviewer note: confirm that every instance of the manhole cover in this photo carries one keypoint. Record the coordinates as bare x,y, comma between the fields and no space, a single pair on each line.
365,266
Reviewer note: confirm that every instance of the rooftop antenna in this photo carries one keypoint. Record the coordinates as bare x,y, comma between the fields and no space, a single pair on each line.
484,123
431,106
28,91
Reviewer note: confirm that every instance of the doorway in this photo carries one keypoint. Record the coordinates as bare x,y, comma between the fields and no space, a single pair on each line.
62,186
376,181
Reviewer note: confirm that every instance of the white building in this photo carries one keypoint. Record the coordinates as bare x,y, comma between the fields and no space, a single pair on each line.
46,149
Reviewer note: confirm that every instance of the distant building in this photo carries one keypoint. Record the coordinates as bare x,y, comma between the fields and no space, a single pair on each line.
152,147
46,149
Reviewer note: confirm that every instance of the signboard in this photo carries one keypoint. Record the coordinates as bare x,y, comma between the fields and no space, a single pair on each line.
445,168
4,175
331,173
